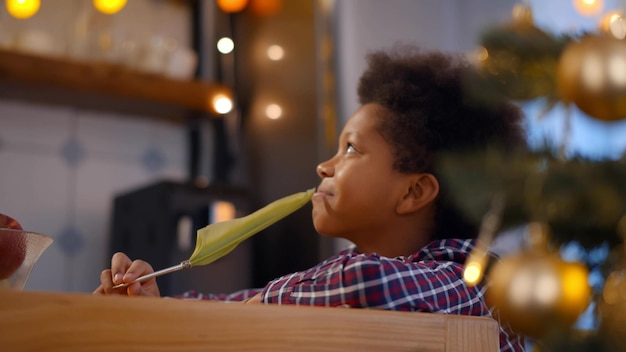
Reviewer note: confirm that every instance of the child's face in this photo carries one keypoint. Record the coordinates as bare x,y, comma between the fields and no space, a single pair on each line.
360,190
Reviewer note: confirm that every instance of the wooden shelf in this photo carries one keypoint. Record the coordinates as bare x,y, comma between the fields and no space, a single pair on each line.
102,86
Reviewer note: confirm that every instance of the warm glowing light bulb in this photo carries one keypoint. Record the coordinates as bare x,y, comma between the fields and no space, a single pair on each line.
222,211
222,104
472,274
588,7
109,7
22,9
275,52
225,45
273,111
232,5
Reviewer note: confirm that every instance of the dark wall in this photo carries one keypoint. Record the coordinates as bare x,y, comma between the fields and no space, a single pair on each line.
281,155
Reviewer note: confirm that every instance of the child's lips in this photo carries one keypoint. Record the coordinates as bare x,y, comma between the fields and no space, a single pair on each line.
322,193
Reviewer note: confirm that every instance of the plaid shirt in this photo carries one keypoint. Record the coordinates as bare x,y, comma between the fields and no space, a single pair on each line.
427,281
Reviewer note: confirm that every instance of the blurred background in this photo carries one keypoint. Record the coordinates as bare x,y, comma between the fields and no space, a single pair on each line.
128,125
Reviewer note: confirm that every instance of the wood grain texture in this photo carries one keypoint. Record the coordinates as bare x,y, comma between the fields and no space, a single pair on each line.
45,321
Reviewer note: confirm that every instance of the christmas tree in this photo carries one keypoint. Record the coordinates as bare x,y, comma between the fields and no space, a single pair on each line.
558,200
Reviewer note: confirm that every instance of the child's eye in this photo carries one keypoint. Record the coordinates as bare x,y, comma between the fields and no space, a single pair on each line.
350,149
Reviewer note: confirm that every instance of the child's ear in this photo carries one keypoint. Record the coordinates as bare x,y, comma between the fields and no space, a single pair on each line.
422,191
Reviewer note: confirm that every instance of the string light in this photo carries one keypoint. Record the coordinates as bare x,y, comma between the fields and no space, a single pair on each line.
478,258
275,52
231,6
22,9
109,7
273,111
225,45
472,273
222,104
588,7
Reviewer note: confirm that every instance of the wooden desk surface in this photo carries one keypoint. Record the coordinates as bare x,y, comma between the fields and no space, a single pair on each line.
46,321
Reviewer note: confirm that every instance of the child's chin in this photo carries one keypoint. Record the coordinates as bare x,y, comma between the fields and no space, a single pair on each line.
325,231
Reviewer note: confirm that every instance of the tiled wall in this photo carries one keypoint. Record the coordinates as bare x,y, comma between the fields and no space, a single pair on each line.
61,168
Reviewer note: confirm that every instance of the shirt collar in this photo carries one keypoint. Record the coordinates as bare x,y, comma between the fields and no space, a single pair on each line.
449,250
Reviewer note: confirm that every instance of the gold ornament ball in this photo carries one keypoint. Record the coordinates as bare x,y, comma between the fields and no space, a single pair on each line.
538,293
613,324
612,309
591,73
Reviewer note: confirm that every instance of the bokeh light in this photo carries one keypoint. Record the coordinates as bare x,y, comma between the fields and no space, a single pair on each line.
222,211
231,6
273,111
588,7
22,9
614,23
222,104
109,7
225,45
472,274
275,52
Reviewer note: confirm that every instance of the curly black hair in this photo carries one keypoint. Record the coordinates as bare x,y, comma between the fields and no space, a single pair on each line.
430,112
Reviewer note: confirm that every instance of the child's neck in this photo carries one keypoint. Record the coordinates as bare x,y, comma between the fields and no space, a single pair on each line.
396,247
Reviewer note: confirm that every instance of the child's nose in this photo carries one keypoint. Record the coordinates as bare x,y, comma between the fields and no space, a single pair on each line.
324,170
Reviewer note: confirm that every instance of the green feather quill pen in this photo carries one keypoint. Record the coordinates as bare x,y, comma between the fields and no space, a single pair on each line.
216,240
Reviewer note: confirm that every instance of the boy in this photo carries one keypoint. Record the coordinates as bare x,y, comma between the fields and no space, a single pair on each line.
382,192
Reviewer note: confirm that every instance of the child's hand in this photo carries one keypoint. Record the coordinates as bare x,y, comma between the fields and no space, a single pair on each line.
254,299
124,270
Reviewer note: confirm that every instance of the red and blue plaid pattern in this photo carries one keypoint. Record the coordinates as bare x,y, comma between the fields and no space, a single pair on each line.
427,281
